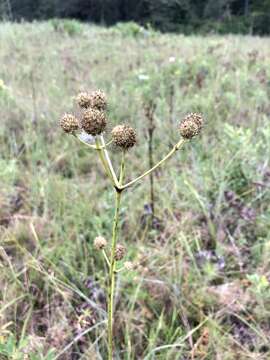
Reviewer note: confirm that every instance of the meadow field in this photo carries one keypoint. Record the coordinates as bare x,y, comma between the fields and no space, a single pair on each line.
200,288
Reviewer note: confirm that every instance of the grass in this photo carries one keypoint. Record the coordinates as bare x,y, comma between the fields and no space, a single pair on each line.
201,288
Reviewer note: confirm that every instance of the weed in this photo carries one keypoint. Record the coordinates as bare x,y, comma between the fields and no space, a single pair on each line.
93,122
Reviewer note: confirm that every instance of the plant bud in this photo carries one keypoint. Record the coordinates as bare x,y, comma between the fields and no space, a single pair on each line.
93,121
124,136
191,126
100,243
119,252
69,123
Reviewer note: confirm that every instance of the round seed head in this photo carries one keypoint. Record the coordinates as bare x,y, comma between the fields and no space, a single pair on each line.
191,125
84,100
69,123
124,136
197,118
100,243
119,252
98,100
93,121
129,265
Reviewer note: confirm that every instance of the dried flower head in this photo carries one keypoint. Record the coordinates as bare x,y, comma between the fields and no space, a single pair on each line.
129,265
100,242
124,136
69,123
93,121
84,100
191,125
98,100
119,252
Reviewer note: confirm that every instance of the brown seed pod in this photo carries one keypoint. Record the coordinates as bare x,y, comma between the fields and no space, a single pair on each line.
84,100
124,136
93,121
98,100
100,243
119,252
69,123
191,125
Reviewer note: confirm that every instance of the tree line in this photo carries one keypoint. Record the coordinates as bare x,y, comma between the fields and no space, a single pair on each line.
188,16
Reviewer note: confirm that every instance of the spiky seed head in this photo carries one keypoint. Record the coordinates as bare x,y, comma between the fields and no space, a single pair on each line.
119,252
124,136
100,242
98,100
191,125
84,100
197,118
129,265
69,123
93,121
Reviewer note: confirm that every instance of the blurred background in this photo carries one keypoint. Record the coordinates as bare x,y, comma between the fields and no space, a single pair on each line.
198,230
187,16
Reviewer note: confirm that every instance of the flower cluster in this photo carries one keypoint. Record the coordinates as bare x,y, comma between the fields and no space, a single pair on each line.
93,120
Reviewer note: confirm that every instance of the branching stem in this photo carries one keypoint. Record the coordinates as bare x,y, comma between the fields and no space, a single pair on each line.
174,149
117,183
106,162
91,145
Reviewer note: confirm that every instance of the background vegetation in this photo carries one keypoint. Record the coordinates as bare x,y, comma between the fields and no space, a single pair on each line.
188,16
201,288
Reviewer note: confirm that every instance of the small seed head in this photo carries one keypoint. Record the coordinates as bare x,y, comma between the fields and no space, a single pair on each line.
124,136
191,125
129,265
69,123
119,252
93,121
100,243
98,100
84,100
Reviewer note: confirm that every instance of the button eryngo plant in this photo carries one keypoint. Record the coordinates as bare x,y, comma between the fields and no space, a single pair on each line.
93,121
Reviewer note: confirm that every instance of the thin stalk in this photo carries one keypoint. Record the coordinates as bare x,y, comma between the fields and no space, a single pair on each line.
174,149
171,103
149,114
111,288
106,258
106,162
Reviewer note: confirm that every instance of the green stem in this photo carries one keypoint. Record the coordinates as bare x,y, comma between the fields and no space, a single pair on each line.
106,258
174,149
113,271
106,162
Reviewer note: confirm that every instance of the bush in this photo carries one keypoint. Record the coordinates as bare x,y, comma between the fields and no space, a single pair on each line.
130,29
69,27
